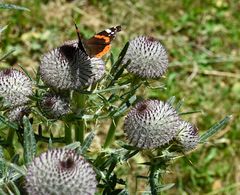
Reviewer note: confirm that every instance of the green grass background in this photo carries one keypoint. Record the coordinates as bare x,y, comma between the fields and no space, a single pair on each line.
202,39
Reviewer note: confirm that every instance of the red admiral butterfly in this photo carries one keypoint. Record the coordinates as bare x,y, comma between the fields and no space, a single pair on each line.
99,44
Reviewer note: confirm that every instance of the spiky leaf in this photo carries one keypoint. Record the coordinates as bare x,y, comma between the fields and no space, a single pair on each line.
29,141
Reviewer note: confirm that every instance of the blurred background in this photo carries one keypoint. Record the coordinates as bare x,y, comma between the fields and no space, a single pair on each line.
202,39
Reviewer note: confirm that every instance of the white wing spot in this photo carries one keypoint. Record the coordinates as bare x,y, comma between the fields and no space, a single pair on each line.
108,31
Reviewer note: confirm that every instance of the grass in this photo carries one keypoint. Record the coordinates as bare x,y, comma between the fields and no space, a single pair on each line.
202,38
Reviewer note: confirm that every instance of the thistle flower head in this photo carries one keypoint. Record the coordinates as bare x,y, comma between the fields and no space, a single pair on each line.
54,106
67,67
16,114
15,87
151,124
148,57
60,171
188,136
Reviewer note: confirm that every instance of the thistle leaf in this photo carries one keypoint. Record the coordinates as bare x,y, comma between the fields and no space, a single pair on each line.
3,28
29,141
6,55
73,146
9,124
214,129
87,143
12,6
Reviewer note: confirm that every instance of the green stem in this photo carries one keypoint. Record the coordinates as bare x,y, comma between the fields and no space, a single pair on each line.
111,132
80,101
153,177
68,133
113,126
9,141
10,136
80,131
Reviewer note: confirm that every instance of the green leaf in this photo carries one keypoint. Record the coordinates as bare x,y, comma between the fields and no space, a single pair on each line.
171,100
14,188
87,143
29,141
50,143
179,105
111,132
120,58
12,6
3,28
9,191
129,155
2,166
125,106
73,146
119,73
2,192
111,89
9,124
26,72
123,192
190,112
15,167
7,54
215,128
165,187
11,171
125,146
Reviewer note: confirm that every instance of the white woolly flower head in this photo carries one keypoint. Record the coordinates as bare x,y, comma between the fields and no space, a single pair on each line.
188,136
60,171
15,87
67,67
151,124
148,57
16,114
54,106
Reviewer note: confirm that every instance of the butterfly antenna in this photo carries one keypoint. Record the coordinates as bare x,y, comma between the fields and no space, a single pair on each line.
78,34
80,44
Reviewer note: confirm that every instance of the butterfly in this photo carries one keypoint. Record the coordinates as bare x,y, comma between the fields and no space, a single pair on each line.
99,44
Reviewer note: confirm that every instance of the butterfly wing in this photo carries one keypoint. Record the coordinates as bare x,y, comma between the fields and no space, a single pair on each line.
68,50
99,44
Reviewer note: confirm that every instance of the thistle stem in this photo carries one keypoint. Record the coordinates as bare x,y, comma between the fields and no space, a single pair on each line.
153,177
9,141
111,132
80,100
10,136
156,170
68,133
80,131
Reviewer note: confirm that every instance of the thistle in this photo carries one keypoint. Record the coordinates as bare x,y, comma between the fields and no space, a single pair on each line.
188,136
148,57
16,114
15,87
67,67
151,124
54,106
60,171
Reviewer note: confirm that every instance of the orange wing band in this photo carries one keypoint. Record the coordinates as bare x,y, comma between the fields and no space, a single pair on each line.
106,39
103,52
